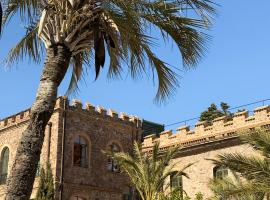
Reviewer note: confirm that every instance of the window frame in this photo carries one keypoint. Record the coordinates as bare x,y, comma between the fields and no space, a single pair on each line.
220,172
86,150
179,176
112,165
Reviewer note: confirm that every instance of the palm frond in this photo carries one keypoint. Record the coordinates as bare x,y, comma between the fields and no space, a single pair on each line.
148,172
252,172
250,167
167,81
259,139
28,10
77,69
122,29
29,45
133,19
1,17
238,189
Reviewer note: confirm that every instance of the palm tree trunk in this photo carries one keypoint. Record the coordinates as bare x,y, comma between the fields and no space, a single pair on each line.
22,176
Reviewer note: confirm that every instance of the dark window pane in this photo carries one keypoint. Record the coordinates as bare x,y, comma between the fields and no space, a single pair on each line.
220,172
4,165
80,155
112,164
176,183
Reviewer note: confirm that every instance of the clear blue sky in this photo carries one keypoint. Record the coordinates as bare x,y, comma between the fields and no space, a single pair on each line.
235,70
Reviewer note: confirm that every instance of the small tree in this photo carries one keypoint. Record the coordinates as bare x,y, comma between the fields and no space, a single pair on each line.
46,184
148,172
213,112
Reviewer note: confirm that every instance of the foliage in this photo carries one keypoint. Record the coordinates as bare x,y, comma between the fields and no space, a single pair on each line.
46,184
148,172
174,195
120,27
233,188
213,112
255,169
199,196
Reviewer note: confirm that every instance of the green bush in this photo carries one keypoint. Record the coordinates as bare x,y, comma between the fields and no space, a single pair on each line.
46,184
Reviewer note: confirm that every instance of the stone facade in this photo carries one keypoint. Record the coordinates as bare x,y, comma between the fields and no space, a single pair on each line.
99,129
205,142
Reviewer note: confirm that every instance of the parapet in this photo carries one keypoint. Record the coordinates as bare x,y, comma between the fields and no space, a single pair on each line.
76,104
15,119
219,128
101,111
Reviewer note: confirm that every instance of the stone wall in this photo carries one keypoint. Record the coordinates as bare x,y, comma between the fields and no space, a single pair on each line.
203,132
11,130
206,142
99,126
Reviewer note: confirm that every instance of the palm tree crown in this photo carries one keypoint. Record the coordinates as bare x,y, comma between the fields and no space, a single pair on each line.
120,27
148,172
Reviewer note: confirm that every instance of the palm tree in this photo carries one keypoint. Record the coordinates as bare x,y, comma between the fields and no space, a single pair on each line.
70,31
255,169
148,172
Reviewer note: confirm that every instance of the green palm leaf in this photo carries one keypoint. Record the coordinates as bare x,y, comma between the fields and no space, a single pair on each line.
121,28
29,46
148,172
255,169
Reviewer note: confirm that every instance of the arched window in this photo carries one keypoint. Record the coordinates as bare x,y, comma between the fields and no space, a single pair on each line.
112,164
4,165
80,152
176,182
220,172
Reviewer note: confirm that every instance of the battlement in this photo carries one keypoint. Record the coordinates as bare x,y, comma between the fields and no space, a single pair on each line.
75,104
220,128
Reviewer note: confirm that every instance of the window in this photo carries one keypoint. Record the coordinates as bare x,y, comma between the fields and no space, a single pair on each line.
176,182
112,165
80,155
220,172
4,165
38,169
127,193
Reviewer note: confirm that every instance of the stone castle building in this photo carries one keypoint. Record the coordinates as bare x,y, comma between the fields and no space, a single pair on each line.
76,138
205,142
